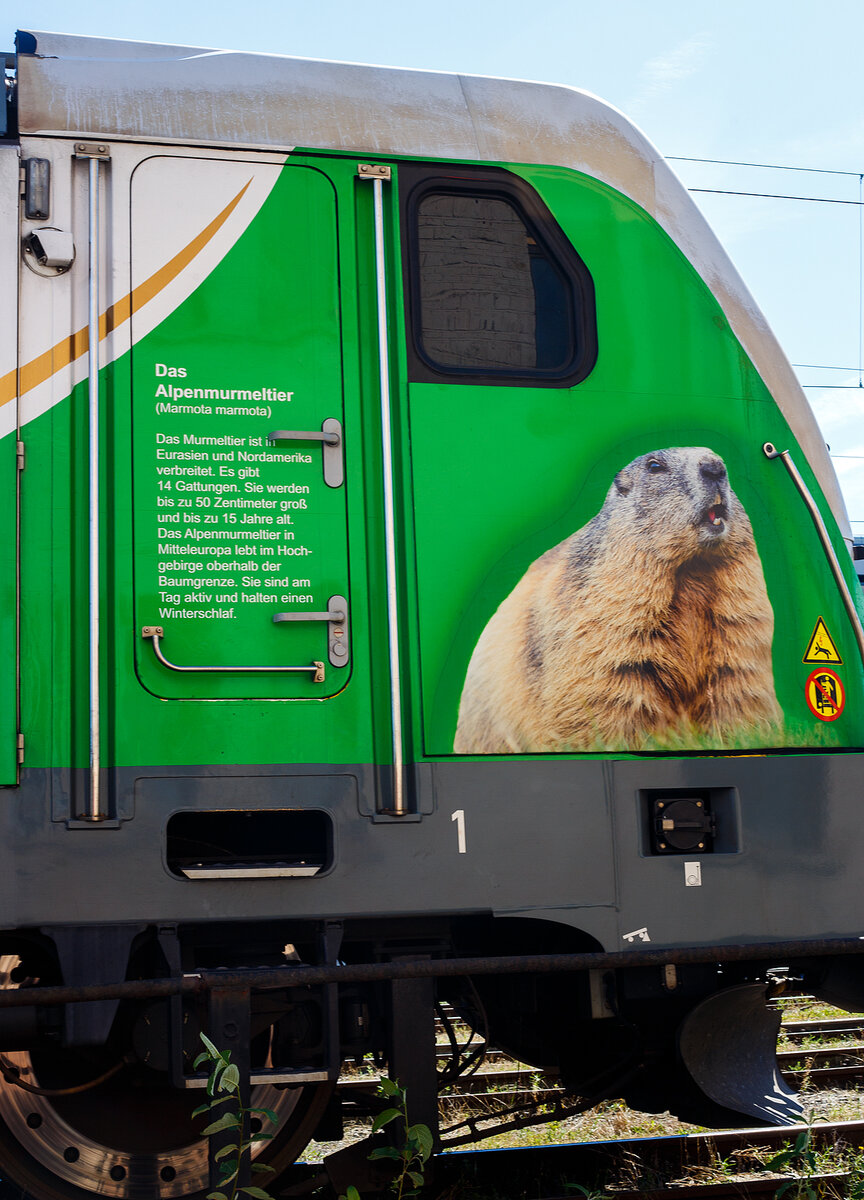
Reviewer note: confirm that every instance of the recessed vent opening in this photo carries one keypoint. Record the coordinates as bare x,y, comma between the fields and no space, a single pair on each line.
249,844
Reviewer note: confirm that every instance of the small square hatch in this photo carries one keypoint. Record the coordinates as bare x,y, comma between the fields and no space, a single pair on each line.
689,821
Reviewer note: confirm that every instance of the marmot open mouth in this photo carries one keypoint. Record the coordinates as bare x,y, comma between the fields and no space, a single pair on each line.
716,516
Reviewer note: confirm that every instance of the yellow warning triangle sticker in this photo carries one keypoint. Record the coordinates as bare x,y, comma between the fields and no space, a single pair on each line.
821,648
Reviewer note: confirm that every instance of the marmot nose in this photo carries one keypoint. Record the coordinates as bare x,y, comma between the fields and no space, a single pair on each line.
712,469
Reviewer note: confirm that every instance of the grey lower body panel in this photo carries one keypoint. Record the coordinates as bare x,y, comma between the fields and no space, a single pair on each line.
564,839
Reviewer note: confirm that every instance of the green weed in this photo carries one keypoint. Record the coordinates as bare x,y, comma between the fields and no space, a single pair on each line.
409,1158
223,1087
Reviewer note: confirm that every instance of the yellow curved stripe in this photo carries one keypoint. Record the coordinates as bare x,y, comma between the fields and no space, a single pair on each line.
72,347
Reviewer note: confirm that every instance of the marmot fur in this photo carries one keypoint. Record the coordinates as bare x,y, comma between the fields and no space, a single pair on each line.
649,627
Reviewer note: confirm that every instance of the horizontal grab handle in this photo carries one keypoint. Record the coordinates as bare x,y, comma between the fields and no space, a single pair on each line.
332,615
156,633
302,435
330,437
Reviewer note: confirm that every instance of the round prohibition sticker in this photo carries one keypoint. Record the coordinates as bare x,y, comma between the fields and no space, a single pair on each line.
825,694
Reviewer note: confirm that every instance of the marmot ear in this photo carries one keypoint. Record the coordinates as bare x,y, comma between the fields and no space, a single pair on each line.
622,483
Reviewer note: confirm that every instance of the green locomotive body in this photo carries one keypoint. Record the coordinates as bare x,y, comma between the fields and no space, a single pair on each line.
408,555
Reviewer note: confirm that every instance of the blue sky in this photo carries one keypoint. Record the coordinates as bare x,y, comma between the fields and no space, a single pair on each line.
753,81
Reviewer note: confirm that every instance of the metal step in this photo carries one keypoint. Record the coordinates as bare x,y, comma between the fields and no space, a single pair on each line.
249,870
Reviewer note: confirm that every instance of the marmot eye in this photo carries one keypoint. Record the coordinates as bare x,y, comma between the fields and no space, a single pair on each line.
655,466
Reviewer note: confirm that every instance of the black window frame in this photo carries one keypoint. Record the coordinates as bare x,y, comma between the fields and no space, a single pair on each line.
418,182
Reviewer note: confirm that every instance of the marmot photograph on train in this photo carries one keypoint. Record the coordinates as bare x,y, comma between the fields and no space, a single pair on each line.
650,627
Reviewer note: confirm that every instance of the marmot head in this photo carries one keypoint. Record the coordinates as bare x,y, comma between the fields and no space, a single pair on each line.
678,503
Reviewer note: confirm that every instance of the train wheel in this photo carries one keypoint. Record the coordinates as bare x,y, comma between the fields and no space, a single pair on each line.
131,1137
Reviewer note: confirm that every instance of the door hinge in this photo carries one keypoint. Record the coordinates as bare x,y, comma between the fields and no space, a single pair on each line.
20,749
22,180
19,451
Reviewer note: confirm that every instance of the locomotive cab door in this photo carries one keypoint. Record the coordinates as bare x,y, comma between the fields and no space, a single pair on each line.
238,435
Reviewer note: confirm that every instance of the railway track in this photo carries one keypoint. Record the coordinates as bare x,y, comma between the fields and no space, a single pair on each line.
818,1055
520,1084
730,1163
688,1166
664,1167
827,1027
823,1066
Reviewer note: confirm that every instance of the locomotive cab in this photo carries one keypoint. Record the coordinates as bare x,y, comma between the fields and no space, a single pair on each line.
423,580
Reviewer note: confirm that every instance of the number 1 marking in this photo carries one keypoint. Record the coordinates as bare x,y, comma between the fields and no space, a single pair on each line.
459,818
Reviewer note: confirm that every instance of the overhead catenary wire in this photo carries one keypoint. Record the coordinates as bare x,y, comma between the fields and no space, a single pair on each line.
859,370
778,196
821,367
725,162
859,204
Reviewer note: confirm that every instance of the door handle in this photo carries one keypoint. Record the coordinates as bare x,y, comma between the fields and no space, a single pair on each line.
330,437
338,641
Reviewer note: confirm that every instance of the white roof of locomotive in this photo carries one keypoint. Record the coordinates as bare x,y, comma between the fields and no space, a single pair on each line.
179,94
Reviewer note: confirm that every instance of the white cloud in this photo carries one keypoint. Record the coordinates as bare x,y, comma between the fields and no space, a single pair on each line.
665,71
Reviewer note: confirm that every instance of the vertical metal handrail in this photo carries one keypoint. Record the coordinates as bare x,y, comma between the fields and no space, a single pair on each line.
94,154
770,451
378,174
95,807
19,445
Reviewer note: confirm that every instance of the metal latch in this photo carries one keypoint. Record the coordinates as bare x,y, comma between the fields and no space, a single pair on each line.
680,826
338,642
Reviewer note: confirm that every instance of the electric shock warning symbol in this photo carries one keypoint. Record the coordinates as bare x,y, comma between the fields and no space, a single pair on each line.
825,694
821,648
